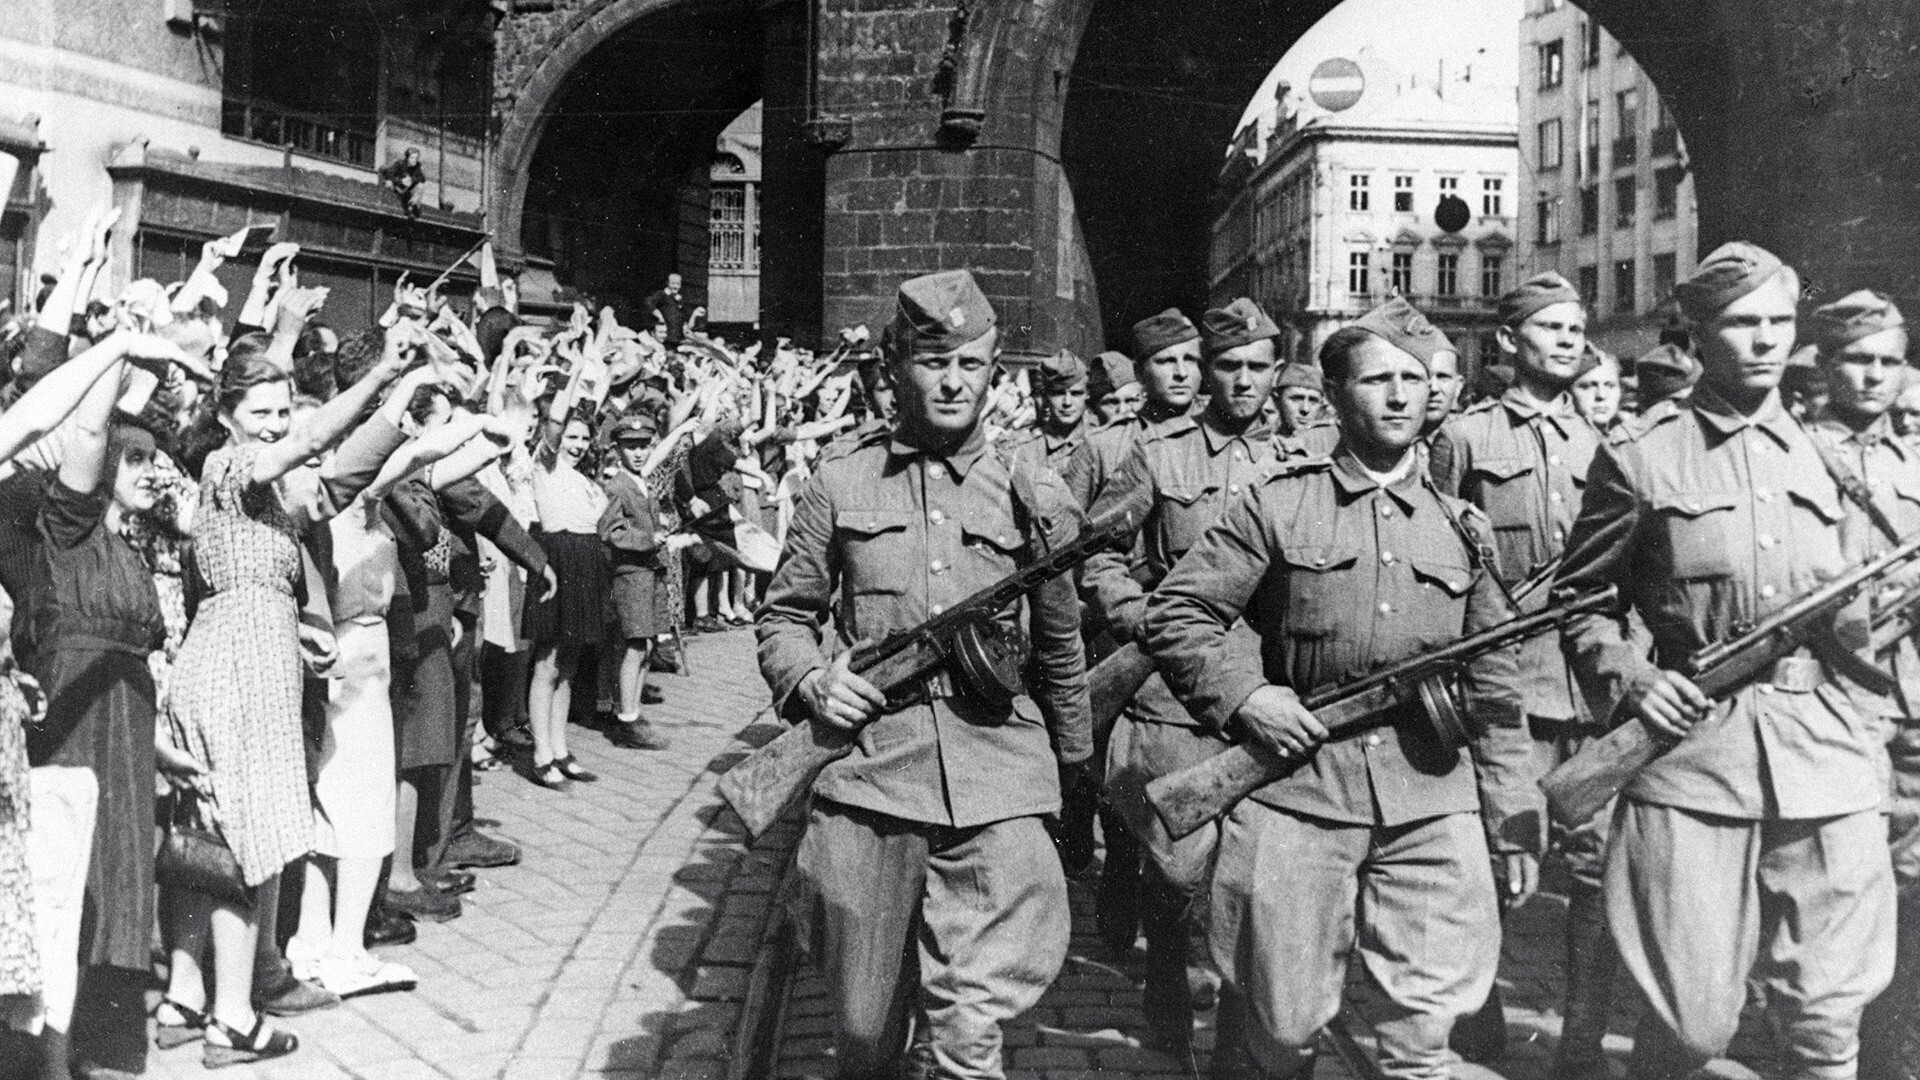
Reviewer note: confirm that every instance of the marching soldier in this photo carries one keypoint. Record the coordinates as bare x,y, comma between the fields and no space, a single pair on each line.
1754,845
1166,349
1862,348
1302,428
1113,390
1374,845
1522,458
1060,427
933,880
1185,471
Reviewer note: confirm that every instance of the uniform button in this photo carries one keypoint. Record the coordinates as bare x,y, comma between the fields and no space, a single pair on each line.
936,516
1321,561
1694,507
1002,538
1233,489
1385,510
872,524
1763,494
936,566
1553,459
1766,541
1239,454
1767,591
1386,609
1386,558
935,609
1766,688
1373,739
1559,535
1553,496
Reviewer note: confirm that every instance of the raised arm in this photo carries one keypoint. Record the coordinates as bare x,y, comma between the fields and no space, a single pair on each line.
332,421
85,460
56,395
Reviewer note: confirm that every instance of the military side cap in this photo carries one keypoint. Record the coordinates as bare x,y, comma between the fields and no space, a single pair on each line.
938,313
1059,371
1239,323
1539,291
1591,357
1401,325
1162,331
1730,272
634,427
1668,359
1110,371
1852,317
1304,375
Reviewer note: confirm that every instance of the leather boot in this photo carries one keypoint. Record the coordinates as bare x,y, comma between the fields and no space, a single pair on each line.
56,1054
1116,906
1231,1058
1591,963
1167,999
1481,1037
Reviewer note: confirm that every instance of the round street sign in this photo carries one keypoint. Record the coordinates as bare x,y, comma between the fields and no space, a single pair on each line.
1336,84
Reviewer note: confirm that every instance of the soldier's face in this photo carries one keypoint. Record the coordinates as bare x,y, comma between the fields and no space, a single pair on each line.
1298,406
1240,380
1597,393
1443,386
1123,402
1172,375
1547,344
1906,410
942,394
1866,376
1067,406
1382,402
1744,348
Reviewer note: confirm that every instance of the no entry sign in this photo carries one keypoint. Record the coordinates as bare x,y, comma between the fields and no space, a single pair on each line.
1336,84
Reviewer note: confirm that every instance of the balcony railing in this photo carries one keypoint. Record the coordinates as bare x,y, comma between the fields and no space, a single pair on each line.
319,136
1626,150
1666,141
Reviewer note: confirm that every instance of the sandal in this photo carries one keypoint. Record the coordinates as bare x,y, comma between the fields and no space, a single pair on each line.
190,1025
571,770
260,1044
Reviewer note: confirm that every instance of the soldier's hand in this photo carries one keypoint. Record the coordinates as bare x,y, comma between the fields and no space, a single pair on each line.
1519,876
1668,703
1275,718
838,697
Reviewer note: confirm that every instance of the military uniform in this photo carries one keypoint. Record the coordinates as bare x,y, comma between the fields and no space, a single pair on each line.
1338,574
1757,837
930,831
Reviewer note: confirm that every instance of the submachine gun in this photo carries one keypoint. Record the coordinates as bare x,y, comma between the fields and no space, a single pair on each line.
1581,785
983,657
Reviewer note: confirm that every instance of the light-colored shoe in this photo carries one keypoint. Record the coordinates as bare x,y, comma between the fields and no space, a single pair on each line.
356,973
304,958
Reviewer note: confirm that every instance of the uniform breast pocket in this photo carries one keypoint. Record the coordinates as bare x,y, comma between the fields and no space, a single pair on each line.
1504,488
992,549
1186,511
1816,541
874,546
1320,588
1699,528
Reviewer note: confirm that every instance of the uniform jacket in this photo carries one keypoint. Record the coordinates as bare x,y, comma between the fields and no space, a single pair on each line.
885,536
629,526
1339,575
1184,472
1706,520
1103,451
1036,447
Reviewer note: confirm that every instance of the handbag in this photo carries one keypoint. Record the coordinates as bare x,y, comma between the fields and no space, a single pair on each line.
195,856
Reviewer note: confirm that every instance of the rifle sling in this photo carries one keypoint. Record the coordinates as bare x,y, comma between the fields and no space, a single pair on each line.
1478,553
1854,489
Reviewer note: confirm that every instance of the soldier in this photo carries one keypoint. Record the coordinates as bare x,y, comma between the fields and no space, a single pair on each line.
1757,837
930,832
1666,372
1443,393
1862,346
1522,458
1113,388
1596,390
1166,350
1184,472
1060,392
1374,845
1300,398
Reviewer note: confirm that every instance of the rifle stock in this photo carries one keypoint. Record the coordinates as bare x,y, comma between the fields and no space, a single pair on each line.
768,780
1114,682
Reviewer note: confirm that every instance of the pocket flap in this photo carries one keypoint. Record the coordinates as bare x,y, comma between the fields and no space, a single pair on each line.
1451,578
1188,494
1503,468
1003,538
1319,557
1821,499
873,522
1694,503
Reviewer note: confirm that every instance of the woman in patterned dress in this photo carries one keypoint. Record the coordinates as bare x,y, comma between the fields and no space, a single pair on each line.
236,685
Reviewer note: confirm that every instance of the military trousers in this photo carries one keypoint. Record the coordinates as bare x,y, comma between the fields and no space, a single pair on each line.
1139,752
1583,846
970,925
1697,903
1294,896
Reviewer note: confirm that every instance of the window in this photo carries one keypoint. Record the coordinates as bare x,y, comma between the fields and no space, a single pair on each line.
317,90
1403,272
1627,110
1589,285
1546,220
1449,185
1623,286
1624,198
1403,194
1666,193
1357,194
1589,210
1447,280
1590,36
733,237
1490,196
1591,137
1490,275
1550,143
1666,273
1552,64
1358,265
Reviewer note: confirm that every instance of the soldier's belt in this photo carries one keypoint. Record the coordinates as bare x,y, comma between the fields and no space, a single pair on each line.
1796,674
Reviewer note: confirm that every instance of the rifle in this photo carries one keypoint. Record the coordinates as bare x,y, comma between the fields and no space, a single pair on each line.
1582,785
772,777
1190,798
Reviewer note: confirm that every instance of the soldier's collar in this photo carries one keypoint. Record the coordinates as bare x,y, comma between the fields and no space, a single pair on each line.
1525,407
1878,433
1073,436
1353,480
1151,412
1771,417
960,458
1218,440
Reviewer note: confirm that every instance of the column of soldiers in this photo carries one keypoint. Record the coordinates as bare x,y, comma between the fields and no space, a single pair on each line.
1299,526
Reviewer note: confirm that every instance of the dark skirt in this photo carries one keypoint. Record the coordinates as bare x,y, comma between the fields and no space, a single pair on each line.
576,613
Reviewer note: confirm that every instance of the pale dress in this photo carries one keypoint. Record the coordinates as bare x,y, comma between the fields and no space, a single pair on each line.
235,698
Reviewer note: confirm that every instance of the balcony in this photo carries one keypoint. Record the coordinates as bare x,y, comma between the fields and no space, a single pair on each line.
318,136
1626,150
1455,302
1666,141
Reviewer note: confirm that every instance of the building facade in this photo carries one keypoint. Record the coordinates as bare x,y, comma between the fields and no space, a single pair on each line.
1605,183
1345,209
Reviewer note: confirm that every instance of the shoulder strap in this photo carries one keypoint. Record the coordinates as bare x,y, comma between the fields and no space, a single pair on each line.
1478,553
1853,487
